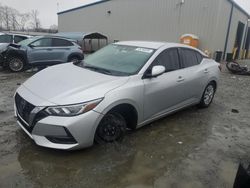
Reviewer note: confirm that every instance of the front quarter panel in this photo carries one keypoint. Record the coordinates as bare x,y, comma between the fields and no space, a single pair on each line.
129,93
20,52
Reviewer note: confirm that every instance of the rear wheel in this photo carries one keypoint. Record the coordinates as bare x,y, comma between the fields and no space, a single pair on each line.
74,59
111,128
16,64
208,95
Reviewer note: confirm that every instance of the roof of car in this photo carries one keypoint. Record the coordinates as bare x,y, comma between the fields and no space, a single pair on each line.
57,37
156,45
28,36
143,44
79,36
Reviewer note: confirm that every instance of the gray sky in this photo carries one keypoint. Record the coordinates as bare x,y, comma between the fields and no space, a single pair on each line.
48,8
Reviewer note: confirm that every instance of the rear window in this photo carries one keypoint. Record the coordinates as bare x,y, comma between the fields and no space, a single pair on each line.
61,42
199,57
6,38
189,58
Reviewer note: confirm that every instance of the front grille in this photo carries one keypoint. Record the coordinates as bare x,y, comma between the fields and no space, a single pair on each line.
28,128
23,107
39,116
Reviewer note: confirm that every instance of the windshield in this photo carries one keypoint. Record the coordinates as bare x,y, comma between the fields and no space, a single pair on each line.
118,59
28,41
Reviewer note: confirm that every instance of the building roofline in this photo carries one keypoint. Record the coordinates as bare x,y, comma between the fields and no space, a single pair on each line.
84,6
240,8
103,1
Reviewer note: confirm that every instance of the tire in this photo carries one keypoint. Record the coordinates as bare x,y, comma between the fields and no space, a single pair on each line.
111,128
208,96
16,64
74,59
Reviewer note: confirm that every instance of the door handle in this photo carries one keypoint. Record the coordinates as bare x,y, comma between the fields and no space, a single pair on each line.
206,71
180,79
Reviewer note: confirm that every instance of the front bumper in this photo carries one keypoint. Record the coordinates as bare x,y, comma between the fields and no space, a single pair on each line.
66,133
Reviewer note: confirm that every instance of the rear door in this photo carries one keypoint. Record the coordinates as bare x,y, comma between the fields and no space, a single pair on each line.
61,49
163,93
192,74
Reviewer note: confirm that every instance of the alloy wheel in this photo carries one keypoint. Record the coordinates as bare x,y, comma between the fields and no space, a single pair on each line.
16,64
209,94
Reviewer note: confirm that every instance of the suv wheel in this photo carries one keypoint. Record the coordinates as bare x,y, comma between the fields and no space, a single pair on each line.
16,64
208,96
74,59
111,128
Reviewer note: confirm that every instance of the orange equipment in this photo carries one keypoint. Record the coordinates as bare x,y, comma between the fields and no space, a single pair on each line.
190,39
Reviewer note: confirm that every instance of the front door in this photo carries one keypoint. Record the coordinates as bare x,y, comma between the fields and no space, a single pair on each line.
40,52
163,92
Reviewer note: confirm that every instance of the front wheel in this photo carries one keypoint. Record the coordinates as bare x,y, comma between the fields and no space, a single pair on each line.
16,64
208,96
111,128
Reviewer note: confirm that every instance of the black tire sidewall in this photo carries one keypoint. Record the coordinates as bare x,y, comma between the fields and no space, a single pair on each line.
202,104
21,60
121,125
74,58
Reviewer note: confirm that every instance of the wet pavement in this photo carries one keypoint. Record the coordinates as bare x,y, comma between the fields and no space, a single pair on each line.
191,149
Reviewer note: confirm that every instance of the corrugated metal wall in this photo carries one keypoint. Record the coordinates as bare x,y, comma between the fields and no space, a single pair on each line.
159,20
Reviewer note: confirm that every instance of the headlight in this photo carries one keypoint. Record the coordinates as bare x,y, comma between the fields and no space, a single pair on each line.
72,110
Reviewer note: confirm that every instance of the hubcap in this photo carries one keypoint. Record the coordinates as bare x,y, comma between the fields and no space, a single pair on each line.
209,94
74,60
16,64
110,129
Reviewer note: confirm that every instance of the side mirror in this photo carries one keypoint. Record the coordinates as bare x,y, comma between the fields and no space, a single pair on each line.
158,70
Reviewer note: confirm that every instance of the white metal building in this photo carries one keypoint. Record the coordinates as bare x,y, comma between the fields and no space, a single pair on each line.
220,24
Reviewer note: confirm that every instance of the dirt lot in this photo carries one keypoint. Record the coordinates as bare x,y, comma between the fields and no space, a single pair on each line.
192,148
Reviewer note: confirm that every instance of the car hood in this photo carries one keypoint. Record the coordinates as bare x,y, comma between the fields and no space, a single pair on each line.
70,84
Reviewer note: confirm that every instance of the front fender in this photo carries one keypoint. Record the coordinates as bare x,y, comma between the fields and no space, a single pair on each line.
116,103
16,52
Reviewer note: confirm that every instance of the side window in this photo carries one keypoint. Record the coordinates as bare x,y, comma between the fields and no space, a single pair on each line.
61,42
6,38
188,58
199,57
169,59
18,38
45,42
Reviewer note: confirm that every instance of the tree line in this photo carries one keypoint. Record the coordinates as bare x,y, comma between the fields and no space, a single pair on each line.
12,20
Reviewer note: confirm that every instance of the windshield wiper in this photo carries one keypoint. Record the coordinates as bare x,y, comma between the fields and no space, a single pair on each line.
98,69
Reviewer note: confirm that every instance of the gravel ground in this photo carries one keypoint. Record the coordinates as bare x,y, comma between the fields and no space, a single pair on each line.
192,148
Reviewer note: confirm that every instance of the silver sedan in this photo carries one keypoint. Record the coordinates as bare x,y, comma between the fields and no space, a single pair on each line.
123,86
